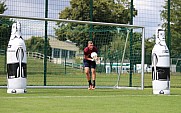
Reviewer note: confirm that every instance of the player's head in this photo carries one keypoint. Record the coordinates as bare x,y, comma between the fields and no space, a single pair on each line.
90,45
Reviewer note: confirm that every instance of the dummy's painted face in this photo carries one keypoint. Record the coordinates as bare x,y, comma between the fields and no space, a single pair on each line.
16,28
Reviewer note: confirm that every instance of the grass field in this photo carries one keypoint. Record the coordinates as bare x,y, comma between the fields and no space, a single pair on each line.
83,100
86,101
56,76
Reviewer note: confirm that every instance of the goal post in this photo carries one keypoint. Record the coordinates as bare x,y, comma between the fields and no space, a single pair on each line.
66,40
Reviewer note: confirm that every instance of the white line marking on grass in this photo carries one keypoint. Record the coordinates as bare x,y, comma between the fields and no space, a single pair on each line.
109,96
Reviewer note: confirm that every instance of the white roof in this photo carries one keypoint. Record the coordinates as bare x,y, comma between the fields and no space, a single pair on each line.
64,45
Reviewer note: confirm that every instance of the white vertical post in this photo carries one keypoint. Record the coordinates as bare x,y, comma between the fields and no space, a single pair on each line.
142,58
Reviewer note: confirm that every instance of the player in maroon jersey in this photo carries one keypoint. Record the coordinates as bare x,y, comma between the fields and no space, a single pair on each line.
89,63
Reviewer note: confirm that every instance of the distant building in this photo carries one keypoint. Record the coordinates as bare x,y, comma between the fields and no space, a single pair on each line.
63,50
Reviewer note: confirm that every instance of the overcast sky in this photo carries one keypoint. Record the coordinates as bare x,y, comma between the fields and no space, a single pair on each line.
35,8
148,14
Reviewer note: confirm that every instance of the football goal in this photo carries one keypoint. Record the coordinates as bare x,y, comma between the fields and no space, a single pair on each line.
55,53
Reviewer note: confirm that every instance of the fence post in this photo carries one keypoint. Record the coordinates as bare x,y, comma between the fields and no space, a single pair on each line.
5,61
131,43
65,63
45,44
91,19
168,27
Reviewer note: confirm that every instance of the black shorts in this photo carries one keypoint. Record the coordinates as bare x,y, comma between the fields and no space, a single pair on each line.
90,64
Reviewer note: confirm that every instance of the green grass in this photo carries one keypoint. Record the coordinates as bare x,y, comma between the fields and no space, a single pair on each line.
56,76
84,101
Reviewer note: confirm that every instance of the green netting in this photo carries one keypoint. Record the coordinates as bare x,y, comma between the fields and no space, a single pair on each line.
64,59
109,39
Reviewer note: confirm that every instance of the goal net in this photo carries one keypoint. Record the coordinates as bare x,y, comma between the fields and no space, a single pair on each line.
55,53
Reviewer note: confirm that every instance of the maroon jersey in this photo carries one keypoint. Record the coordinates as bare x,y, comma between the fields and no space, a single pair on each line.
88,52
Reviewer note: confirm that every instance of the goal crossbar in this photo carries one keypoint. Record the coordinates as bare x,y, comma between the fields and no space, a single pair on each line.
72,21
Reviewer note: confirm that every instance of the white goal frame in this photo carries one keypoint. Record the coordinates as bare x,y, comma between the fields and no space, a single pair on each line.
93,23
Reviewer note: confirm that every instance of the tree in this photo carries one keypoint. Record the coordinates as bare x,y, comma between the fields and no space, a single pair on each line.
175,20
149,44
36,44
5,28
137,41
103,11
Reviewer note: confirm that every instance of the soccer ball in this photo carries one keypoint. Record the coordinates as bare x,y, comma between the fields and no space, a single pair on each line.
94,55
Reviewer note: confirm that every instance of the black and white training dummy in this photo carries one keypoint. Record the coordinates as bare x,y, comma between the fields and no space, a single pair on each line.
16,61
160,65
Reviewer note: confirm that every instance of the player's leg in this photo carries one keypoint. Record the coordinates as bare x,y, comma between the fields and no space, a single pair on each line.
87,72
93,70
88,77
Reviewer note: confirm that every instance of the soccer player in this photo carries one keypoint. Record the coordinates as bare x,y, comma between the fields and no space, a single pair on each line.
90,64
